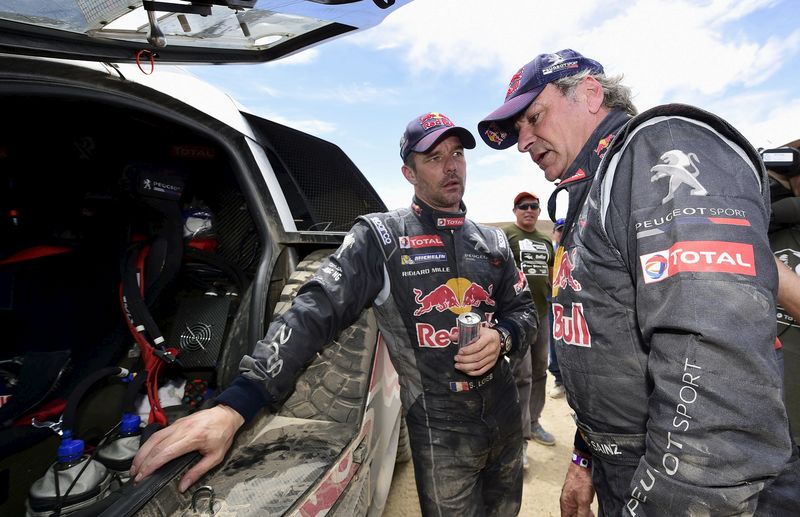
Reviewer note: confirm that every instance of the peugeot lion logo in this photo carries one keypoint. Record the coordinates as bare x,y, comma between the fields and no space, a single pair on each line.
675,165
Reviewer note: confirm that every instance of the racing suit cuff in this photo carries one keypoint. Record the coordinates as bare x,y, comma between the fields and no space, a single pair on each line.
245,397
581,446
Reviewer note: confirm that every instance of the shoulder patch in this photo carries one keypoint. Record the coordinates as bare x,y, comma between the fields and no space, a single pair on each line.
379,223
489,240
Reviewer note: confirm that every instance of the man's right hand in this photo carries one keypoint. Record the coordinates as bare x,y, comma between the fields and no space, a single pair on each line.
577,493
210,432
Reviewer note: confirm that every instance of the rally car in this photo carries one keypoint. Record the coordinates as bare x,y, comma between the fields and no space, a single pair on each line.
150,228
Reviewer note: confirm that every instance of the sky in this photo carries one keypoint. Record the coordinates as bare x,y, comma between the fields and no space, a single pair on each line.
739,59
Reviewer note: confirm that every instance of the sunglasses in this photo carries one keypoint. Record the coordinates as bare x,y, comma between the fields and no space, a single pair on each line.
528,206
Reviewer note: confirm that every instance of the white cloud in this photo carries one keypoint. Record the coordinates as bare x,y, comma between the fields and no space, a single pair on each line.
668,50
702,52
699,52
354,93
262,89
315,127
468,35
396,192
490,159
775,127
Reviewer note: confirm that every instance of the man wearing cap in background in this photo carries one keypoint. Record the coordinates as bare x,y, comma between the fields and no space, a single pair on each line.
557,391
533,252
663,298
419,268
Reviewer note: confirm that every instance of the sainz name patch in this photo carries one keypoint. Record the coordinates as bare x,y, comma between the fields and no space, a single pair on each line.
698,256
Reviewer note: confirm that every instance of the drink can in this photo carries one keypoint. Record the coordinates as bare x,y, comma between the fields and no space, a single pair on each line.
468,325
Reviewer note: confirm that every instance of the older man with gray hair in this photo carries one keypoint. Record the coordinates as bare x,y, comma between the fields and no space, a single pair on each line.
663,297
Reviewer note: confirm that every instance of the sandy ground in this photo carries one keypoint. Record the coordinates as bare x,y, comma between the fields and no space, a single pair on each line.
543,479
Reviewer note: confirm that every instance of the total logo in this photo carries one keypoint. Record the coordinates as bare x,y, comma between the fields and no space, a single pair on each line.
421,241
458,295
698,256
450,222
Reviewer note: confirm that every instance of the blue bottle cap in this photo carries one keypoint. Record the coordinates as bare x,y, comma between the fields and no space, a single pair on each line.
130,424
70,449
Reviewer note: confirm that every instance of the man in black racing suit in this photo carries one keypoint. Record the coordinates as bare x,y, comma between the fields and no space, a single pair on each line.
419,267
663,298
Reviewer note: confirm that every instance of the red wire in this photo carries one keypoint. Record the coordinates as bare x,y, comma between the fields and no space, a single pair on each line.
140,267
152,366
152,57
152,363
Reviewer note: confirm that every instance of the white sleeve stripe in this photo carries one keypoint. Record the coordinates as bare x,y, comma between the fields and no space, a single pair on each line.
608,179
383,295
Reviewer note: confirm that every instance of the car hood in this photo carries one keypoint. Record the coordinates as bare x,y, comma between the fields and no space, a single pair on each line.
211,31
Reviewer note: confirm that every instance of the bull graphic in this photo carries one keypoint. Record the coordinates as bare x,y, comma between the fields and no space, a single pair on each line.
441,299
675,165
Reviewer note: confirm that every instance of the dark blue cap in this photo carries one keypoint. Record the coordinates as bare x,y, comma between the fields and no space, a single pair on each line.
559,224
427,130
497,128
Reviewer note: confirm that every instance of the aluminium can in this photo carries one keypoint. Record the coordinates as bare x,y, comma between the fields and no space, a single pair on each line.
468,325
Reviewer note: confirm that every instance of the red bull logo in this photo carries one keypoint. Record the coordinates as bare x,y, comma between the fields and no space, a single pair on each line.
432,120
430,337
476,295
514,83
458,295
495,134
563,274
522,281
603,144
572,330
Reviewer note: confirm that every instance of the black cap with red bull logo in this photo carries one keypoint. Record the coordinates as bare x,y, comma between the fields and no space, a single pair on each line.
427,130
497,128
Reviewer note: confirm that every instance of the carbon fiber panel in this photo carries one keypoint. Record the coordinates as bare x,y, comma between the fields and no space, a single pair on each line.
324,188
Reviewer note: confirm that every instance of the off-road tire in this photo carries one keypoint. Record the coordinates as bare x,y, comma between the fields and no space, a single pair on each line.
335,385
403,443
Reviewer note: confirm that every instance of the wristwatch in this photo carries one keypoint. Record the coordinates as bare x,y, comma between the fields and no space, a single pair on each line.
505,340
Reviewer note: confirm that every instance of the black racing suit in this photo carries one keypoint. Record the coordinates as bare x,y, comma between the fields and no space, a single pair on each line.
420,269
664,306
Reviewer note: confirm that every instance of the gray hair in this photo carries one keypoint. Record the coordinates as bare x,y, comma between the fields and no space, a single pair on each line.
615,94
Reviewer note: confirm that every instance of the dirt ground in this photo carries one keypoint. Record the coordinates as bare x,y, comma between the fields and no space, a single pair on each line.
543,479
